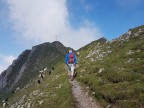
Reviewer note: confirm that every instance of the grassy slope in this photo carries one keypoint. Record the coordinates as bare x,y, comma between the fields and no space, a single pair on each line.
121,79
53,92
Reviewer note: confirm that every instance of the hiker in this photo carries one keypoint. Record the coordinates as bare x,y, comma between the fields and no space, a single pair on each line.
71,62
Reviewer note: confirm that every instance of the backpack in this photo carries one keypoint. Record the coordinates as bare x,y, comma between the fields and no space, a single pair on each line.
71,58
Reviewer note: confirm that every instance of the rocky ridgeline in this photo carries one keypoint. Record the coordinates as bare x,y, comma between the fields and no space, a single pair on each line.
8,77
27,65
114,69
101,50
130,34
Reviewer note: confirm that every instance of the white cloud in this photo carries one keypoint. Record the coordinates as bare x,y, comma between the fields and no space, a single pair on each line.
6,60
38,21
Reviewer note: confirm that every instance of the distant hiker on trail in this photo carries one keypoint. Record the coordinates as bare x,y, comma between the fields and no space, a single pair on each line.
71,62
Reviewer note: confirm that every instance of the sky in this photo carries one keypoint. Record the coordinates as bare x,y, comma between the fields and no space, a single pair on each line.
75,23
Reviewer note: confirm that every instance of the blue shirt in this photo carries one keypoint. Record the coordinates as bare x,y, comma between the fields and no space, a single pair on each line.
67,58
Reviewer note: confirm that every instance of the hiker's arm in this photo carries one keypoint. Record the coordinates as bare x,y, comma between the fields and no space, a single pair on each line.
75,59
66,59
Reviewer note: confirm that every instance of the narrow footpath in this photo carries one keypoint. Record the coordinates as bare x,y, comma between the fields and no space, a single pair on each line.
81,97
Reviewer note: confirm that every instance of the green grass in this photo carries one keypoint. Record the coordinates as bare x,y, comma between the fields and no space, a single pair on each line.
55,89
121,83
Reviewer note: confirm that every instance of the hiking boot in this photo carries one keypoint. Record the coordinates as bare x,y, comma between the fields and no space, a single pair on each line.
72,78
69,77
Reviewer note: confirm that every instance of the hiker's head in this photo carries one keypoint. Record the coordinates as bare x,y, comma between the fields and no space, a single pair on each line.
70,51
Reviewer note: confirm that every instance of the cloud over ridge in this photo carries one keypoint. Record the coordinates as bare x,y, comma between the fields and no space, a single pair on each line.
38,21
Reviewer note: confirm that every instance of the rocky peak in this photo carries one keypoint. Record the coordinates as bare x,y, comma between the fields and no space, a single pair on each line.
103,39
57,44
29,62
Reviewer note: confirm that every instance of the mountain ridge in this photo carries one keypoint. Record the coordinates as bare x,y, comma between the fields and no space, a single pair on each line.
27,61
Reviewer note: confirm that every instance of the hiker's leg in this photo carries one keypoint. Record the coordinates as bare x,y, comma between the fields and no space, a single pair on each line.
69,74
72,70
69,70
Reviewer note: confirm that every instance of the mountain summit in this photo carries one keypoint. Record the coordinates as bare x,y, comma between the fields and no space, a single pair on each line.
29,63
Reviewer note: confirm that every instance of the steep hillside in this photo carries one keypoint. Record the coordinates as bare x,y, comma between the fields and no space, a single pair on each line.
53,91
28,64
8,76
114,70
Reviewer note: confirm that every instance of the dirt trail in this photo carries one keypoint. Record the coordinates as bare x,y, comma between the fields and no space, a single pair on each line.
81,97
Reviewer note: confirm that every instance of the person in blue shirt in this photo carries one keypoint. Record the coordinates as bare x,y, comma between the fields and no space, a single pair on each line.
71,61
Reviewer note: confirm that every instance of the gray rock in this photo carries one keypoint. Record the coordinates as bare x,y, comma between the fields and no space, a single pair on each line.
92,59
22,99
45,69
130,52
78,53
129,33
40,102
136,34
109,106
12,106
101,70
29,105
36,92
130,60
110,51
17,89
93,93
